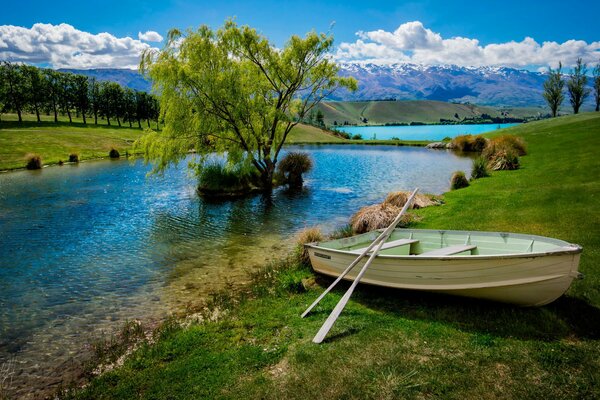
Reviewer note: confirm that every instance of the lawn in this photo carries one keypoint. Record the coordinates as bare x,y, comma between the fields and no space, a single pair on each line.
391,344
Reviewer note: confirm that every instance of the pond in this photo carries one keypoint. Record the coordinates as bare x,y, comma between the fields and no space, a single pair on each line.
420,132
86,247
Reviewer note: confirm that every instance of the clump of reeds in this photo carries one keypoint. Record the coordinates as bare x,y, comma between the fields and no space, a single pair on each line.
503,152
480,168
504,159
377,216
114,153
458,180
398,199
342,232
215,177
74,157
34,161
307,235
293,166
469,143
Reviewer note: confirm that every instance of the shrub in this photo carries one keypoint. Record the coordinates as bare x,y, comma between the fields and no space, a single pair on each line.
357,136
447,139
307,235
342,232
480,168
34,161
504,159
293,165
74,157
114,153
469,143
377,216
215,178
506,142
61,163
398,199
395,138
458,180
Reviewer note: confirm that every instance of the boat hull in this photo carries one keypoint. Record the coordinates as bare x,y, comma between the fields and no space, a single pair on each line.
525,280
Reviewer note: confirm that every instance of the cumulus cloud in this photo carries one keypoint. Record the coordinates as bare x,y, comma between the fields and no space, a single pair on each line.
63,46
413,42
150,36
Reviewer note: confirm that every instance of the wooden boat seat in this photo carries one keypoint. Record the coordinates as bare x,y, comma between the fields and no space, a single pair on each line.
448,251
388,245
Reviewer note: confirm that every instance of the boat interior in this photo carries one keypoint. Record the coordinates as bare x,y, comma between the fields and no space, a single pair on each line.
424,242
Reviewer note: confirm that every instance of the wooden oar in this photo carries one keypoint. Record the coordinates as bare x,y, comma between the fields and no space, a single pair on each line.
381,239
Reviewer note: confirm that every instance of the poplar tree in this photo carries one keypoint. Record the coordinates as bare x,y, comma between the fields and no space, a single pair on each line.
577,85
553,89
597,86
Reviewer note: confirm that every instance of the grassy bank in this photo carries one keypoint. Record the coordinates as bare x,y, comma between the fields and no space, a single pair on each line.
400,344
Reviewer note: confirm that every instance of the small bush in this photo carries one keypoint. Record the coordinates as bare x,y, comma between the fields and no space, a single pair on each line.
504,159
293,165
61,163
398,199
215,178
307,235
342,232
74,157
34,161
357,136
447,139
377,216
458,180
114,153
469,143
505,143
480,168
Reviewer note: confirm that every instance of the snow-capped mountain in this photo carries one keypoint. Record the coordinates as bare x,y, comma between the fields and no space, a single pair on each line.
478,85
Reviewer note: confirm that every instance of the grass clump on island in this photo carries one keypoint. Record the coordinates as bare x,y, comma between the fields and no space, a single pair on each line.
401,344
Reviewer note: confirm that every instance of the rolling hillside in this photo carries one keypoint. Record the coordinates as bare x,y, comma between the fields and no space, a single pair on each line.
425,111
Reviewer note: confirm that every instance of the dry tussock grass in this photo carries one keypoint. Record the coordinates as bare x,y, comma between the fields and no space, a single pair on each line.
398,199
377,216
307,235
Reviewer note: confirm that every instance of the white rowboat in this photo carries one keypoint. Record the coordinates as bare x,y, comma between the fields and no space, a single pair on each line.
526,270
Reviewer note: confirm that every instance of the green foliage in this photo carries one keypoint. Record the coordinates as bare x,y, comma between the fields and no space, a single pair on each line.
597,86
577,85
231,92
458,180
34,161
553,89
480,168
114,153
357,136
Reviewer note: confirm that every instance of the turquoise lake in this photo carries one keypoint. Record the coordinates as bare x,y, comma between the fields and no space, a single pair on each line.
420,132
87,247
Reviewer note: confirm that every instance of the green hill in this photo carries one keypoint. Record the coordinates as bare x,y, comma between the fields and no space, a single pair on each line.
425,111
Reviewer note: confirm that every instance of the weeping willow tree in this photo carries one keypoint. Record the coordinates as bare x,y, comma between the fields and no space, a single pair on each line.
231,92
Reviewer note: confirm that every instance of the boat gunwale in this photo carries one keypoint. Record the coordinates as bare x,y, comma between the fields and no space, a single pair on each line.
563,247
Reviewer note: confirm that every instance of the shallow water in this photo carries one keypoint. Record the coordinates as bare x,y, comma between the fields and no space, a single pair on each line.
86,247
420,132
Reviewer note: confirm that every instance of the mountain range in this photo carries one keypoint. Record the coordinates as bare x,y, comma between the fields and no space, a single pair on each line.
494,86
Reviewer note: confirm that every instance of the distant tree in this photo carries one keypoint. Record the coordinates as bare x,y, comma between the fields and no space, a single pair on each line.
320,118
456,116
141,113
597,86
66,97
129,105
232,92
577,85
53,88
553,89
15,82
94,97
35,89
81,95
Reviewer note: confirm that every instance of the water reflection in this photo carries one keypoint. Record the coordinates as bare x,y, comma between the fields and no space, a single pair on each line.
85,247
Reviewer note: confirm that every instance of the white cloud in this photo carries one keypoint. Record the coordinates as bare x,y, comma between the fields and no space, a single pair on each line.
63,46
414,43
150,36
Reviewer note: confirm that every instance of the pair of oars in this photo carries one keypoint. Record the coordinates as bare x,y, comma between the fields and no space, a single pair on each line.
377,243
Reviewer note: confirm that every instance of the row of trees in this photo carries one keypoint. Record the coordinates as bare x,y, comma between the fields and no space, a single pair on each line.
28,89
576,87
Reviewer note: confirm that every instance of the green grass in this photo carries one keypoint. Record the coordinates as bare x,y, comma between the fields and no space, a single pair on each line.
426,111
391,344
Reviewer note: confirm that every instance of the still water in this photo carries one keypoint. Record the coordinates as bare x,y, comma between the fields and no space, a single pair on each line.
85,247
420,132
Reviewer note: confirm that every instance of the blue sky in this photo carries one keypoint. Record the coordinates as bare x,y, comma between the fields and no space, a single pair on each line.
489,23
